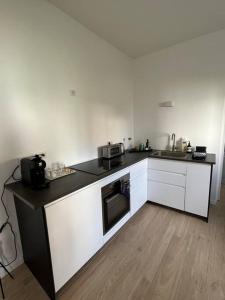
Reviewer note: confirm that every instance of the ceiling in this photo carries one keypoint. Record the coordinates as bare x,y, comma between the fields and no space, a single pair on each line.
138,27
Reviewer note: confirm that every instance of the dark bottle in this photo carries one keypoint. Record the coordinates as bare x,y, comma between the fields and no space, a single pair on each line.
147,145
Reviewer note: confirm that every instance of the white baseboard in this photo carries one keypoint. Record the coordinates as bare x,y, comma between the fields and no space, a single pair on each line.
213,201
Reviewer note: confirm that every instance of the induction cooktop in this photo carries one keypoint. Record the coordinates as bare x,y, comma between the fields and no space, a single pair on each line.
99,166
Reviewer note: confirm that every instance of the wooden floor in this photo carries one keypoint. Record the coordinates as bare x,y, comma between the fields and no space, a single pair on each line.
160,254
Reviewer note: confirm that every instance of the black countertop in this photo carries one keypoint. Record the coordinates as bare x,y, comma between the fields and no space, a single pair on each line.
68,184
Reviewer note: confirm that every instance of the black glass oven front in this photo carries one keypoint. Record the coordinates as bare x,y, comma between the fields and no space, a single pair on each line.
115,201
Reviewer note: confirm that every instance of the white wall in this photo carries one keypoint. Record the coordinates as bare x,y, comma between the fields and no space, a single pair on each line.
43,55
193,75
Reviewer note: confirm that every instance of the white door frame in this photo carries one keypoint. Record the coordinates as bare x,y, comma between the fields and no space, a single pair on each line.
220,155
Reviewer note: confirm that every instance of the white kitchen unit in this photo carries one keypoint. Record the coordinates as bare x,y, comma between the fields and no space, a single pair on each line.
197,189
75,222
181,185
138,185
62,235
75,232
79,233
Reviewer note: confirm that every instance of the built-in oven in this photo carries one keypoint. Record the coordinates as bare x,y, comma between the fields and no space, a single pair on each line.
115,201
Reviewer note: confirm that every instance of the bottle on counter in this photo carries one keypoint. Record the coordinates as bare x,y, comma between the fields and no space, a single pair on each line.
122,148
184,145
189,148
179,145
130,144
147,145
141,147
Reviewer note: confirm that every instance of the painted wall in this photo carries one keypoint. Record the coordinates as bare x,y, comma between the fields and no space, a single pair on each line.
43,55
193,75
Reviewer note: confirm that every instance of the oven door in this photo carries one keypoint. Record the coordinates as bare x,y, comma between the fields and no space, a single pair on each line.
116,202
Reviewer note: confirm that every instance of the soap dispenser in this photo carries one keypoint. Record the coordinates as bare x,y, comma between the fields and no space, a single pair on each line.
189,148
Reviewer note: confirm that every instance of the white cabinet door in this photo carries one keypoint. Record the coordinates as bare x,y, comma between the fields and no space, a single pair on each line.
197,188
138,186
166,194
75,232
138,169
138,193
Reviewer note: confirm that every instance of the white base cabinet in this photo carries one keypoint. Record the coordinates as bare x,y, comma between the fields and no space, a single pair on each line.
75,232
197,189
181,185
69,231
75,222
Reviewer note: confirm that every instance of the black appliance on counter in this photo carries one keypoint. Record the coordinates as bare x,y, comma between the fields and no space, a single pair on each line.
115,201
113,150
199,153
33,171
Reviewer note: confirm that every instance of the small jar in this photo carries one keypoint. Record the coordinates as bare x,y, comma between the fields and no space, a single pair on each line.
141,147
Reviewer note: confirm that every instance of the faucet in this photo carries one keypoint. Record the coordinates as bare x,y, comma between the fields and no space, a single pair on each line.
174,140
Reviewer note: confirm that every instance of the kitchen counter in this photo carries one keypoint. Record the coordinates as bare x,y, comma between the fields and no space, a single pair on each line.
210,158
68,184
183,185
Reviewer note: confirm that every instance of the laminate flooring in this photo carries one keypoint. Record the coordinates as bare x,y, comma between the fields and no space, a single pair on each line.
159,254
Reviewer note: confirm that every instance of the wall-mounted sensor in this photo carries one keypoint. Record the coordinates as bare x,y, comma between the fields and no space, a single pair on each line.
167,104
72,92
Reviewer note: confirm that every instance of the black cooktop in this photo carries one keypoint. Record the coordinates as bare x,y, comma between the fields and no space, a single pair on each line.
99,166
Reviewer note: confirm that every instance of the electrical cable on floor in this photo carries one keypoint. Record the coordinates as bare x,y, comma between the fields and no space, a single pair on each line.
7,222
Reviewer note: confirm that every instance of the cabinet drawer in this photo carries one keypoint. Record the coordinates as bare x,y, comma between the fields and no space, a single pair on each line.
167,177
167,165
166,194
138,169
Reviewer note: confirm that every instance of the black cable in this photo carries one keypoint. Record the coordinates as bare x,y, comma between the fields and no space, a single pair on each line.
12,176
3,192
15,246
